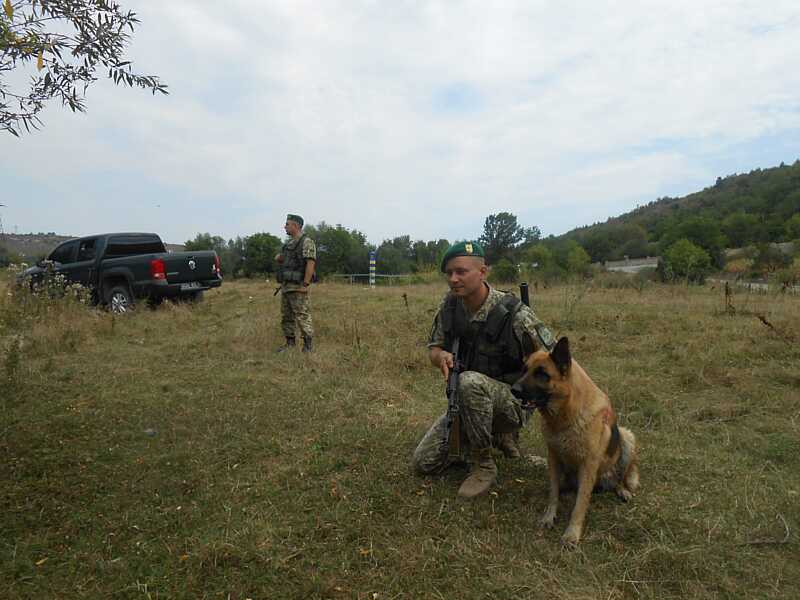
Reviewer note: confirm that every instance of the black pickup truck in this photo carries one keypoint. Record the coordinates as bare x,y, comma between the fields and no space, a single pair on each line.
121,268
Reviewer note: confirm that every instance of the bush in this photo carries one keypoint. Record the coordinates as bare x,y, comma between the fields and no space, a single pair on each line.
504,272
788,277
685,260
739,266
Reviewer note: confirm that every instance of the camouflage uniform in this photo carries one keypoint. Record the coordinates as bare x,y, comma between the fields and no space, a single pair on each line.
487,405
294,297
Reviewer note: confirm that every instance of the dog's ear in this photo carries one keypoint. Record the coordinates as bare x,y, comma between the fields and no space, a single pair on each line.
561,356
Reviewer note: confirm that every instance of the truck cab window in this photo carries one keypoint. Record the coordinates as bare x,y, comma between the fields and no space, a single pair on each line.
65,253
86,251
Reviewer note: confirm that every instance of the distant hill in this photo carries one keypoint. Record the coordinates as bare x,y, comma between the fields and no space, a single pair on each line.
759,207
32,246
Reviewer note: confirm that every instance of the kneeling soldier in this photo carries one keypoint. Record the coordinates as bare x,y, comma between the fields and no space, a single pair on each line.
496,331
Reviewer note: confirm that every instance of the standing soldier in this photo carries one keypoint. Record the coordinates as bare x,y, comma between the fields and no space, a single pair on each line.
296,263
496,332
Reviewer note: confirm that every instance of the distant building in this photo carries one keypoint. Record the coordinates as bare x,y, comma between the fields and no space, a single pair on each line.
732,253
631,265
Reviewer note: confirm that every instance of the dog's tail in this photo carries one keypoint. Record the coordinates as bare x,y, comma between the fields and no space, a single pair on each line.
628,468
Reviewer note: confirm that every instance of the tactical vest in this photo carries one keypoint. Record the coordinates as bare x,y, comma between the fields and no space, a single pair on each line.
490,347
293,268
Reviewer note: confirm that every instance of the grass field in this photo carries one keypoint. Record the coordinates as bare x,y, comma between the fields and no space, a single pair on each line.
172,454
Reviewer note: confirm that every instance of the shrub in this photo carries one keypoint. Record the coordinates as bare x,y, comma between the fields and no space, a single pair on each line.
739,266
685,260
504,272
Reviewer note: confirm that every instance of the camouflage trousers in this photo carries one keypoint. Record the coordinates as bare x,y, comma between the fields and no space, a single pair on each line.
295,310
487,408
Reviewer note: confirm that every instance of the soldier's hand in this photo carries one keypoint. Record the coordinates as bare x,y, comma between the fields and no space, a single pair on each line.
279,258
445,363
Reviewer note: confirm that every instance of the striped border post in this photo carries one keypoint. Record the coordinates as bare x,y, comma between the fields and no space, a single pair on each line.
372,268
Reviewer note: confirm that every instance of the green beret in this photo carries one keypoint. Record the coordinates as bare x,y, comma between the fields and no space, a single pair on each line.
462,249
296,218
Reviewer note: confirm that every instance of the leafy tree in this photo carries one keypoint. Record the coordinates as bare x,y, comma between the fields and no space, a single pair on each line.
538,257
561,249
636,248
770,259
395,256
540,263
68,42
205,241
231,258
339,250
741,229
686,260
259,253
531,235
502,234
504,271
577,260
231,253
428,255
704,232
392,260
599,245
793,227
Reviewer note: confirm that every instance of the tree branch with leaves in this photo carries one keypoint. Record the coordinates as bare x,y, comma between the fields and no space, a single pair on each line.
65,43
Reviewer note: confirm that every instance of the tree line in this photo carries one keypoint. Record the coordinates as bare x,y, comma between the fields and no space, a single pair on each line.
759,207
509,247
690,242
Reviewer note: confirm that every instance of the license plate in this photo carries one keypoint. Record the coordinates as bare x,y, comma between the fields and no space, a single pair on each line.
193,285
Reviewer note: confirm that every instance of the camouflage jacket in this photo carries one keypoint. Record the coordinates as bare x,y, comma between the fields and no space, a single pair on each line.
309,251
528,330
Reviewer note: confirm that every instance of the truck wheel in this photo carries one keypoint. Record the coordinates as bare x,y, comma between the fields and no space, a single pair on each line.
119,299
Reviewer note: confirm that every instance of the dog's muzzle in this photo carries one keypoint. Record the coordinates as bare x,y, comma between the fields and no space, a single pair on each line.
534,398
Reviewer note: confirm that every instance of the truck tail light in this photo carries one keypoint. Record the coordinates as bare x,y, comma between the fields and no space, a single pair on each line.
157,270
217,266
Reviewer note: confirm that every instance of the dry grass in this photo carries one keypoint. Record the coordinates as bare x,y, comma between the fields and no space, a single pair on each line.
172,454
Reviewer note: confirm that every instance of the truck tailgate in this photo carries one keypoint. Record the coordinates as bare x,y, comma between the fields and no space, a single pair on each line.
188,267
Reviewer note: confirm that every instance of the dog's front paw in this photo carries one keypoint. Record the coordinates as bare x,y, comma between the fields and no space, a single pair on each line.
548,518
570,538
624,494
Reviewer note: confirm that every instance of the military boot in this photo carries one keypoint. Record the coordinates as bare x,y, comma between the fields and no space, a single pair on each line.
290,343
482,475
507,444
308,345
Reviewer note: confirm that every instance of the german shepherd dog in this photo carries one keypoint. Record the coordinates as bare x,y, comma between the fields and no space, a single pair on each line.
585,447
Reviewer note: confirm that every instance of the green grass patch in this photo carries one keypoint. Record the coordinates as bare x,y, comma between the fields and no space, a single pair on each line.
173,454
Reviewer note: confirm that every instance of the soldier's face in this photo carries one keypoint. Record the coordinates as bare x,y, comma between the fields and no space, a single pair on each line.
465,274
291,228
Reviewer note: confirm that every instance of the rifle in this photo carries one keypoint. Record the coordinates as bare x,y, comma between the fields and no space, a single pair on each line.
523,294
452,432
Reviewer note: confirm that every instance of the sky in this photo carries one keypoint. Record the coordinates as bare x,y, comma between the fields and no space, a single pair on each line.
400,117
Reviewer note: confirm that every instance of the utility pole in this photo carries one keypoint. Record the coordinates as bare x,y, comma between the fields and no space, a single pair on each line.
2,231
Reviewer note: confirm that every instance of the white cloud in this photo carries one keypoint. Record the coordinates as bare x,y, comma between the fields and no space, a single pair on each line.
339,110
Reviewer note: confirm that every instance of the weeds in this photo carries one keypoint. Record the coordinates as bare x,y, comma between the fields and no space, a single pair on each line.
573,294
172,454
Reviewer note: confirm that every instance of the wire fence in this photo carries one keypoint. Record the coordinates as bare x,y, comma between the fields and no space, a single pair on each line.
364,278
